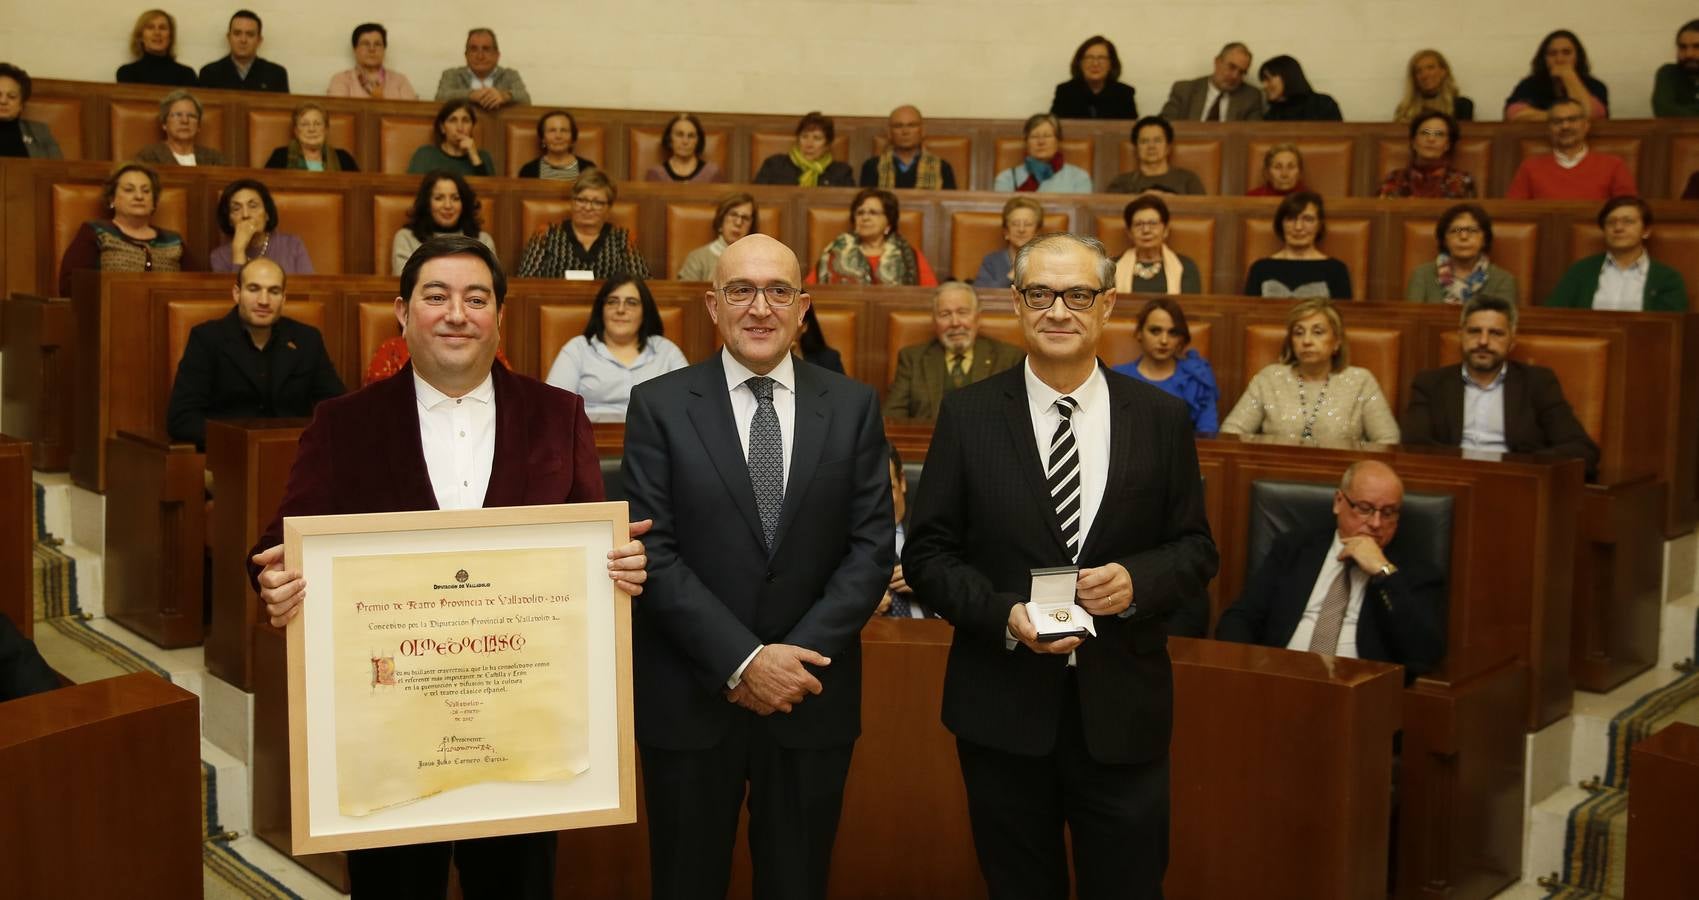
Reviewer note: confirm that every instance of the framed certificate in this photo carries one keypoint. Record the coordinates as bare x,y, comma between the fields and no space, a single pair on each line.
458,674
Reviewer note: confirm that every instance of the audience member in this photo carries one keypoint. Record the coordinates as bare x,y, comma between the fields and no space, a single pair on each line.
248,217
1282,172
1094,89
734,217
1624,277
682,144
254,363
21,137
874,250
1494,403
1290,97
1335,590
1559,71
623,344
1299,268
129,241
1347,404
153,42
180,122
1149,265
1462,271
445,204
456,146
1433,139
1675,90
811,346
586,245
242,69
957,356
309,146
369,78
1044,170
905,162
1153,138
809,162
1022,217
899,601
1428,85
557,141
1221,96
481,80
1166,360
22,670
1570,171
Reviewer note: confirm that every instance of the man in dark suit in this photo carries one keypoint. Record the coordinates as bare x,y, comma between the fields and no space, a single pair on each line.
1335,589
451,430
243,69
1062,462
1221,96
254,362
1492,402
957,357
766,478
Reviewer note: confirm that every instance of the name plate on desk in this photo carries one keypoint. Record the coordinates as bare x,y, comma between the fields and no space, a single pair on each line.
458,674
1052,609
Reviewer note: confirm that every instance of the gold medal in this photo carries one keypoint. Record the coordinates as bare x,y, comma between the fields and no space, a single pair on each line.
1061,615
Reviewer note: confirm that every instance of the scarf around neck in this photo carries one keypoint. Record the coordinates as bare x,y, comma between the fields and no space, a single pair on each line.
811,169
1460,290
843,262
1040,170
928,171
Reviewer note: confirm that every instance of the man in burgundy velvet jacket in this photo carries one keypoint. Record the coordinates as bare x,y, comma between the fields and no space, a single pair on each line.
452,430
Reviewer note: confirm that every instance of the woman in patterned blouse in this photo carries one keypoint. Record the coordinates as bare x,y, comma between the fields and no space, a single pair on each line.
129,241
586,245
1313,393
1433,136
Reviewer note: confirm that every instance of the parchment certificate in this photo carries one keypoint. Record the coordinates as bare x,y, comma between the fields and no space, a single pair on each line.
453,669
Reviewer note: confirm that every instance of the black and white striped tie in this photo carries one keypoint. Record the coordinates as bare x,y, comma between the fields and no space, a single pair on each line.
1063,474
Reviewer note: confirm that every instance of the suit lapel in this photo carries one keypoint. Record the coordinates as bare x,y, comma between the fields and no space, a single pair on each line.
813,415
982,360
1018,417
935,373
508,481
1516,409
1290,605
1451,405
412,477
711,415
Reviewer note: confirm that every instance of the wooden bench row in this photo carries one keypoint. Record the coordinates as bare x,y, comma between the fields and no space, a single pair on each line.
111,122
347,222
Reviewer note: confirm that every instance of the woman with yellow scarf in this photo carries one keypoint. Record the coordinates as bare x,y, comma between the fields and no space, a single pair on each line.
809,162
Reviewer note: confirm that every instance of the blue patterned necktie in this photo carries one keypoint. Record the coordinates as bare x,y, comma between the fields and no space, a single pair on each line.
766,458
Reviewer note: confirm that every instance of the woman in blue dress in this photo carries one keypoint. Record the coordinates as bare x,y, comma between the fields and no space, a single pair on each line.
1167,362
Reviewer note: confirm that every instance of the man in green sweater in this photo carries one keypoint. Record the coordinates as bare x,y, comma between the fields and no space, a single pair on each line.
1675,92
1624,277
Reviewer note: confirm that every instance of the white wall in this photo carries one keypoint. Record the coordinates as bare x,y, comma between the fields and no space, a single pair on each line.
979,58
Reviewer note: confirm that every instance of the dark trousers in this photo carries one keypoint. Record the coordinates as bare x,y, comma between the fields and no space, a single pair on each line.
513,867
1116,816
692,798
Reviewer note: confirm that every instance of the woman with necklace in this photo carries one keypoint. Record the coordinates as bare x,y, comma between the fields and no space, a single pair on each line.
1149,266
1313,394
1167,361
682,143
129,241
248,217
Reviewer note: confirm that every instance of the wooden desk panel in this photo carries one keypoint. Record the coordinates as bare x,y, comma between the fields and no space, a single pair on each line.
17,535
36,382
1665,769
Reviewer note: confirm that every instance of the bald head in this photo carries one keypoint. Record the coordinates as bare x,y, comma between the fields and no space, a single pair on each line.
259,293
1373,486
756,331
756,249
906,129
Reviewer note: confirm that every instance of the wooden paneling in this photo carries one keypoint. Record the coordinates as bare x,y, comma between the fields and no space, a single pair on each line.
1665,770
17,535
35,376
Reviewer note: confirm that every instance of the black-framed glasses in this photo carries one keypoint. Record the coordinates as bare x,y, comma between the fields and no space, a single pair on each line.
778,295
1076,298
1366,510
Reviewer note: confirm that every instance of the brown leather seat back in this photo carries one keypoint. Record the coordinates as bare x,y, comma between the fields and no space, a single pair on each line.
955,149
1674,244
839,325
1582,366
1201,156
399,136
643,148
690,225
827,222
268,129
1516,248
1011,152
377,324
523,146
64,117
974,233
1119,344
537,213
763,144
1628,148
134,124
1328,163
1201,332
315,217
1348,240
1683,159
1472,155
1192,236
1375,349
74,204
558,323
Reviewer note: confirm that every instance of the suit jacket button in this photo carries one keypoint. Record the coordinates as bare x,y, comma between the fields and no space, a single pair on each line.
771,577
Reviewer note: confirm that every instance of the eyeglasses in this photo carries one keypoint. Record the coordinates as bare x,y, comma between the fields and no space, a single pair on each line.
623,302
591,204
1368,510
1076,298
778,295
739,218
1463,231
1146,226
1434,133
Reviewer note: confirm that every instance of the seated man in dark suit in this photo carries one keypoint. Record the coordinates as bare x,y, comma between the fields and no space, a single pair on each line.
243,69
1495,403
1336,590
958,356
253,363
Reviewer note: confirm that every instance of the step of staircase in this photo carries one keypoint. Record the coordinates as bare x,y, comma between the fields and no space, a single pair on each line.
230,787
76,517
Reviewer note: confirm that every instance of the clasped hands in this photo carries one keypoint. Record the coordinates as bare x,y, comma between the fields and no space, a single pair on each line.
776,680
1101,591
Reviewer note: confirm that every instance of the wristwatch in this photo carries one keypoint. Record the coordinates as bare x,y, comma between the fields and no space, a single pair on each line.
1388,569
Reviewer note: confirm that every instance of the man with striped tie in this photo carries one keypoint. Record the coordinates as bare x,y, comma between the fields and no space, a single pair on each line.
1335,591
1061,462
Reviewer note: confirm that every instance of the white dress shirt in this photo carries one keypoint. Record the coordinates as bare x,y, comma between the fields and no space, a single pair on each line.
488,81
744,405
1091,436
459,438
1330,569
1623,288
1483,413
1209,94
